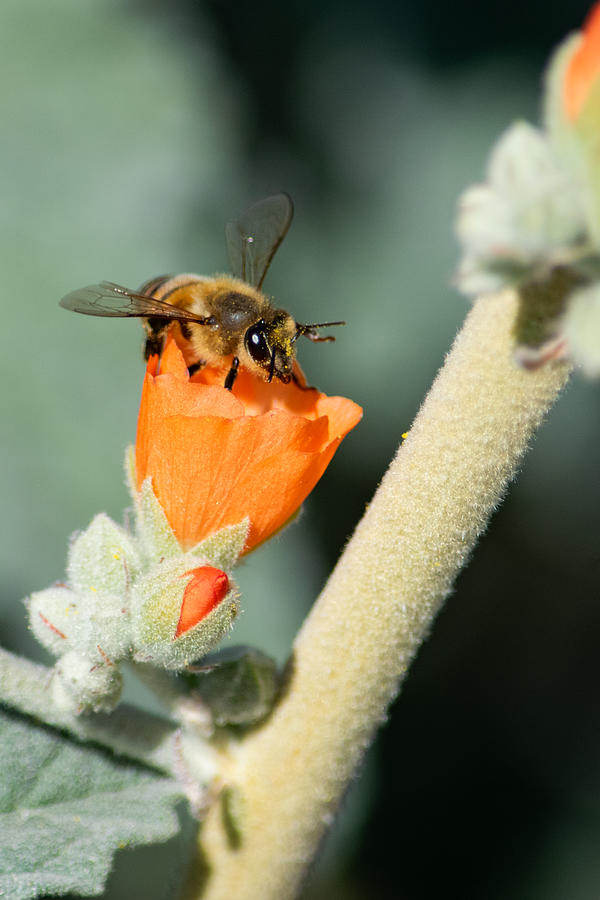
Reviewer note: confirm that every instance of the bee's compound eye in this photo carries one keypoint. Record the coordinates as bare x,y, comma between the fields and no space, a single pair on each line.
256,343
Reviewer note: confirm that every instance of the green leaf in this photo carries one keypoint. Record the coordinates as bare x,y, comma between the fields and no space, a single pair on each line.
65,809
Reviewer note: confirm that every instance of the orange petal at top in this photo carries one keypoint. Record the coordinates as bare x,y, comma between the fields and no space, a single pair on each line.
584,66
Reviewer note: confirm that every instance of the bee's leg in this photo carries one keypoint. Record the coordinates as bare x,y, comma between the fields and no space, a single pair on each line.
303,387
156,330
154,345
194,368
232,374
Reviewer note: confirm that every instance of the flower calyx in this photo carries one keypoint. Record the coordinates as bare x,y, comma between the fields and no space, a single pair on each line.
239,685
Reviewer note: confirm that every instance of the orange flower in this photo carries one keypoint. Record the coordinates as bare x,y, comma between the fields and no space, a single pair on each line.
584,66
216,456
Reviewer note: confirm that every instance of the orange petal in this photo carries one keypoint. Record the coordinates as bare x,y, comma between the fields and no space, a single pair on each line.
584,66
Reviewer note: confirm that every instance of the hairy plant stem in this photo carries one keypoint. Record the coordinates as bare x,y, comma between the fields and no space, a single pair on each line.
354,649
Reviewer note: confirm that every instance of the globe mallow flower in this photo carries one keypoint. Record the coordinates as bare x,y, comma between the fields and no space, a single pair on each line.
217,457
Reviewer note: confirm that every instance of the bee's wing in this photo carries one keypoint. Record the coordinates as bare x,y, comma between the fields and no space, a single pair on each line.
108,299
253,238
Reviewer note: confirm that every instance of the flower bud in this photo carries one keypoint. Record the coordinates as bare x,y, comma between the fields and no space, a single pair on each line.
80,685
103,558
93,623
241,687
519,224
180,613
51,615
206,588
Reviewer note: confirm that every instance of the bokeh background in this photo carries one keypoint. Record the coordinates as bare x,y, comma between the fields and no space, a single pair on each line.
131,131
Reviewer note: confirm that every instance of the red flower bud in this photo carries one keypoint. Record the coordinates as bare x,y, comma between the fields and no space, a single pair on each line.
206,589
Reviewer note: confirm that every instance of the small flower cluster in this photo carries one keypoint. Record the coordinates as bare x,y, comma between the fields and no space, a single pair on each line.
535,223
134,597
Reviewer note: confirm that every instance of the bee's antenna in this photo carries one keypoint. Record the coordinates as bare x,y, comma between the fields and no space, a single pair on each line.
310,331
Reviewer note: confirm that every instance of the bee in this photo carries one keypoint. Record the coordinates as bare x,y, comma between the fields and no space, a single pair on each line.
219,317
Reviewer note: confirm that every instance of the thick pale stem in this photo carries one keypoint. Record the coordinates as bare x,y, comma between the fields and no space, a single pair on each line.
355,647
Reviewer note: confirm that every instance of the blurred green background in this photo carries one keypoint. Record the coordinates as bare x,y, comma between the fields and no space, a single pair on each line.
131,132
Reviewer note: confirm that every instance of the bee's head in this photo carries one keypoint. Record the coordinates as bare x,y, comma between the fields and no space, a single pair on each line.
270,344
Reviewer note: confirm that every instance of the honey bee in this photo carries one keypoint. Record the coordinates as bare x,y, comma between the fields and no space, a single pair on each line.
213,318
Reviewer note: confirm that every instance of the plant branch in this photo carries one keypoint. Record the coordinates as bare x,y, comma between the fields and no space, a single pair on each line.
131,732
356,646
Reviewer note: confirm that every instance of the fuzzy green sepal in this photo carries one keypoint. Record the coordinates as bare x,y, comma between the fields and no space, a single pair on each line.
223,548
156,536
